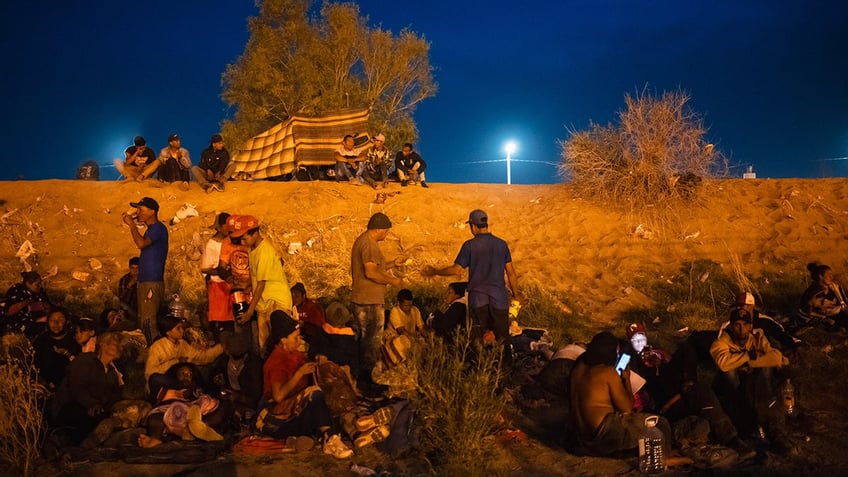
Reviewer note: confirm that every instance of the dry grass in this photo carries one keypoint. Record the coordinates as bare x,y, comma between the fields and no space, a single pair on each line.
655,155
21,406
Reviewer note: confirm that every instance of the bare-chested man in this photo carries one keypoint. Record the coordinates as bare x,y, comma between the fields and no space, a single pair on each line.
602,400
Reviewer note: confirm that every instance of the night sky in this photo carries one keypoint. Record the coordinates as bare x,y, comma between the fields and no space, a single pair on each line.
770,78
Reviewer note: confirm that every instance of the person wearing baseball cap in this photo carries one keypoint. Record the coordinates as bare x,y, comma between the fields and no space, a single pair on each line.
173,164
215,167
136,158
271,291
151,264
773,330
370,275
487,259
377,160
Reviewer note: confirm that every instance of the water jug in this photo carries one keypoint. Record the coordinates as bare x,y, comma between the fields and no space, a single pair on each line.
176,307
651,460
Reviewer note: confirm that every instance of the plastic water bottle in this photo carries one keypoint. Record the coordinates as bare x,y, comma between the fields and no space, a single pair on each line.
651,459
176,307
787,394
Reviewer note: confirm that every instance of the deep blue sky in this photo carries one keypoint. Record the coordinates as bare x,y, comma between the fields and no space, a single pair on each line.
770,77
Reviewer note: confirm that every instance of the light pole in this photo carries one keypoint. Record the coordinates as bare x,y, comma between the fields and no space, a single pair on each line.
510,148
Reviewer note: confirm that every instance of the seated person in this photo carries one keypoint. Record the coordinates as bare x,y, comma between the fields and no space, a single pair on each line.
309,314
55,348
773,330
184,411
602,400
137,157
85,334
128,290
376,165
410,167
404,318
446,324
215,167
90,387
346,155
238,375
25,306
292,404
747,363
173,164
171,349
823,301
672,389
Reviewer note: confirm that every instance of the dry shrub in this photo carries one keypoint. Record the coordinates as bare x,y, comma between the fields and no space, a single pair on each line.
21,406
656,154
458,403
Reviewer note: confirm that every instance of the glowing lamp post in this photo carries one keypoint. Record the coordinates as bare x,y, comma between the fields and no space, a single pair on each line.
509,148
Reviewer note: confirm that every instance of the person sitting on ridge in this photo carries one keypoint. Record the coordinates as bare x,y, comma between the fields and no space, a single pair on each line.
215,167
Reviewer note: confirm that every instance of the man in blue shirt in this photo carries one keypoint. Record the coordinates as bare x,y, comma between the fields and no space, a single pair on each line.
487,259
151,264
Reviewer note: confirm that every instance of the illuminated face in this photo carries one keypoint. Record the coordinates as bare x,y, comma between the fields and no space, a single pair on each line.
56,323
405,305
176,333
297,298
639,340
406,150
218,145
348,143
739,330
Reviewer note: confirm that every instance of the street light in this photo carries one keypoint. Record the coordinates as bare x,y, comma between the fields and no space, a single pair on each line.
510,147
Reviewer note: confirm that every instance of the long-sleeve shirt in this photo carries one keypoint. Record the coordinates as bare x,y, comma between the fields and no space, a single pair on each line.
164,353
729,355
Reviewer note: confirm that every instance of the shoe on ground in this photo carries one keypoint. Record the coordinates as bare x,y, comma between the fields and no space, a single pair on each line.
219,186
373,436
183,185
404,183
334,446
207,187
380,417
742,448
424,184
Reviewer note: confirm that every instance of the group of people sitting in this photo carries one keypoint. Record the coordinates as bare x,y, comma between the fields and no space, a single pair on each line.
750,393
303,390
370,163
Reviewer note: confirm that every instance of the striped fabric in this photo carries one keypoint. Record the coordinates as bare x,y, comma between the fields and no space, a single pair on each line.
299,141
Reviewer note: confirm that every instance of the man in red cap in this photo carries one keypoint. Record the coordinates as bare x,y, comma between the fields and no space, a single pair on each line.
151,264
270,287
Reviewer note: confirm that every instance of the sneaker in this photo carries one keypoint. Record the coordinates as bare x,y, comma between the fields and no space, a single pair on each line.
381,417
336,448
424,184
373,436
220,186
742,448
404,183
207,187
184,185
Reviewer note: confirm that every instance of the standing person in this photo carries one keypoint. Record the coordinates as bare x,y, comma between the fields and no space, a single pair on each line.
377,163
215,168
136,158
369,274
220,314
410,166
128,290
173,164
151,264
487,259
270,287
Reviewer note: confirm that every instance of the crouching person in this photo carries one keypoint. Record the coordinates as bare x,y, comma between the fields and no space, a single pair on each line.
602,401
292,404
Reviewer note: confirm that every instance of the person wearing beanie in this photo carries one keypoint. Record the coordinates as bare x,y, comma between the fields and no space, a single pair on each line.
136,158
370,276
602,400
215,167
171,349
487,259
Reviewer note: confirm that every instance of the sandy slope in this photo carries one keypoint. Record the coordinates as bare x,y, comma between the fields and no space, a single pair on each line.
590,256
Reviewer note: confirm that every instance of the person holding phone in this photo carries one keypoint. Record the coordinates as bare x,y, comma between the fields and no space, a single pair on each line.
602,400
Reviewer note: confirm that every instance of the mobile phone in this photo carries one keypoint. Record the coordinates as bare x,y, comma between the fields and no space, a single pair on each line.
622,362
